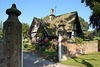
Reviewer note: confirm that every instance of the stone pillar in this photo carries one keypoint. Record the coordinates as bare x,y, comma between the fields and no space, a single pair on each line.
13,36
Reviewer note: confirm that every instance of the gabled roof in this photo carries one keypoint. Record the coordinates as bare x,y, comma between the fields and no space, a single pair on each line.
35,20
68,19
51,27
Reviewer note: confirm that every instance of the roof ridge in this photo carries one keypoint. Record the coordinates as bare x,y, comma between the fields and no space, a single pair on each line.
66,13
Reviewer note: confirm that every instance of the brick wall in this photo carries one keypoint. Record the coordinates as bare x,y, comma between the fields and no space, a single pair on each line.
74,50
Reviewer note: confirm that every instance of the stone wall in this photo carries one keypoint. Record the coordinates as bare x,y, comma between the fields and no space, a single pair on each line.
74,50
99,45
2,52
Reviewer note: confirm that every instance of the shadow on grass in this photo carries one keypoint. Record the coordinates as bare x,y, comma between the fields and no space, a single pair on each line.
84,62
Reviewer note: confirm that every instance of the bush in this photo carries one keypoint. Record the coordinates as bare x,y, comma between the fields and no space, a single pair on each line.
79,40
25,41
26,45
32,46
36,47
90,36
52,46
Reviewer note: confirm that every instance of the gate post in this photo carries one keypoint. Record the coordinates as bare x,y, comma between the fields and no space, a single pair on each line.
62,41
12,31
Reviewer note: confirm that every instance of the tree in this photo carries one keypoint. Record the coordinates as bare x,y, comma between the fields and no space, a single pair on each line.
84,25
46,18
25,28
95,17
1,32
95,33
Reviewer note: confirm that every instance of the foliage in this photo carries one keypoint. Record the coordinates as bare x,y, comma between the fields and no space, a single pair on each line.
95,33
41,35
90,36
25,28
50,53
32,46
1,32
26,45
84,25
89,60
79,40
36,47
46,17
41,32
97,38
52,46
95,17
25,41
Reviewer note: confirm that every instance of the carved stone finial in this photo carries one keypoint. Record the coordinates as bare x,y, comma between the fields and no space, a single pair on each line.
13,10
13,6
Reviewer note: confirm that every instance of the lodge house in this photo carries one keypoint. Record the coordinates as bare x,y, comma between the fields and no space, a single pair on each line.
51,26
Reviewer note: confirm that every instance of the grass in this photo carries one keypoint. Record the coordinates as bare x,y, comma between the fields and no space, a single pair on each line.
28,48
50,53
89,60
97,38
87,40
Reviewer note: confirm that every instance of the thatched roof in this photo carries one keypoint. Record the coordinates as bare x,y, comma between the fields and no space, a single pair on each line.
52,26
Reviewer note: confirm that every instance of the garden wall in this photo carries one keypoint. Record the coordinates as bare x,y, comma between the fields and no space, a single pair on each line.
99,45
2,52
74,50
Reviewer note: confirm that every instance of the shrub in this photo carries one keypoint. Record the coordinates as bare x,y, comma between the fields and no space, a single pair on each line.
32,46
36,47
25,41
91,36
26,45
79,40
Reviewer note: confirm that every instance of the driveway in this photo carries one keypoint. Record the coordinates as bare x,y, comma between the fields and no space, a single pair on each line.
31,60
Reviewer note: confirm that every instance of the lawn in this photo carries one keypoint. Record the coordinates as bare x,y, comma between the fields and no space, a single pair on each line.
50,54
97,38
89,60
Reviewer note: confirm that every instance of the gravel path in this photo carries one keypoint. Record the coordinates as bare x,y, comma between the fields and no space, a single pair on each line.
31,60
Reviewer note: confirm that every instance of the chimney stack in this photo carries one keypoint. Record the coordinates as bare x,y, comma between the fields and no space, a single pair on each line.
52,11
52,15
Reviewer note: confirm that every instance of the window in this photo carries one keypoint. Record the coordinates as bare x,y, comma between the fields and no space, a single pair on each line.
69,34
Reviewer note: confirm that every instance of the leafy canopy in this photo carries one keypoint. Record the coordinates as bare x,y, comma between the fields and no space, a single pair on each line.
25,28
1,32
84,24
95,17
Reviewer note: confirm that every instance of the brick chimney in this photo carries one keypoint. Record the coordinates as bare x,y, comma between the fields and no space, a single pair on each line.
52,11
52,15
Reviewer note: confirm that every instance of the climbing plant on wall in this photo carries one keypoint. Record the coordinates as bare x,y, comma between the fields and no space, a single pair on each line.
41,33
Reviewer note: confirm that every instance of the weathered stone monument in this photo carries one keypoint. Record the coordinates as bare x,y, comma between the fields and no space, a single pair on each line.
12,36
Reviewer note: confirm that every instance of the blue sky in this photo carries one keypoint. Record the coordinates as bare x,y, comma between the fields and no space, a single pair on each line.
41,8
